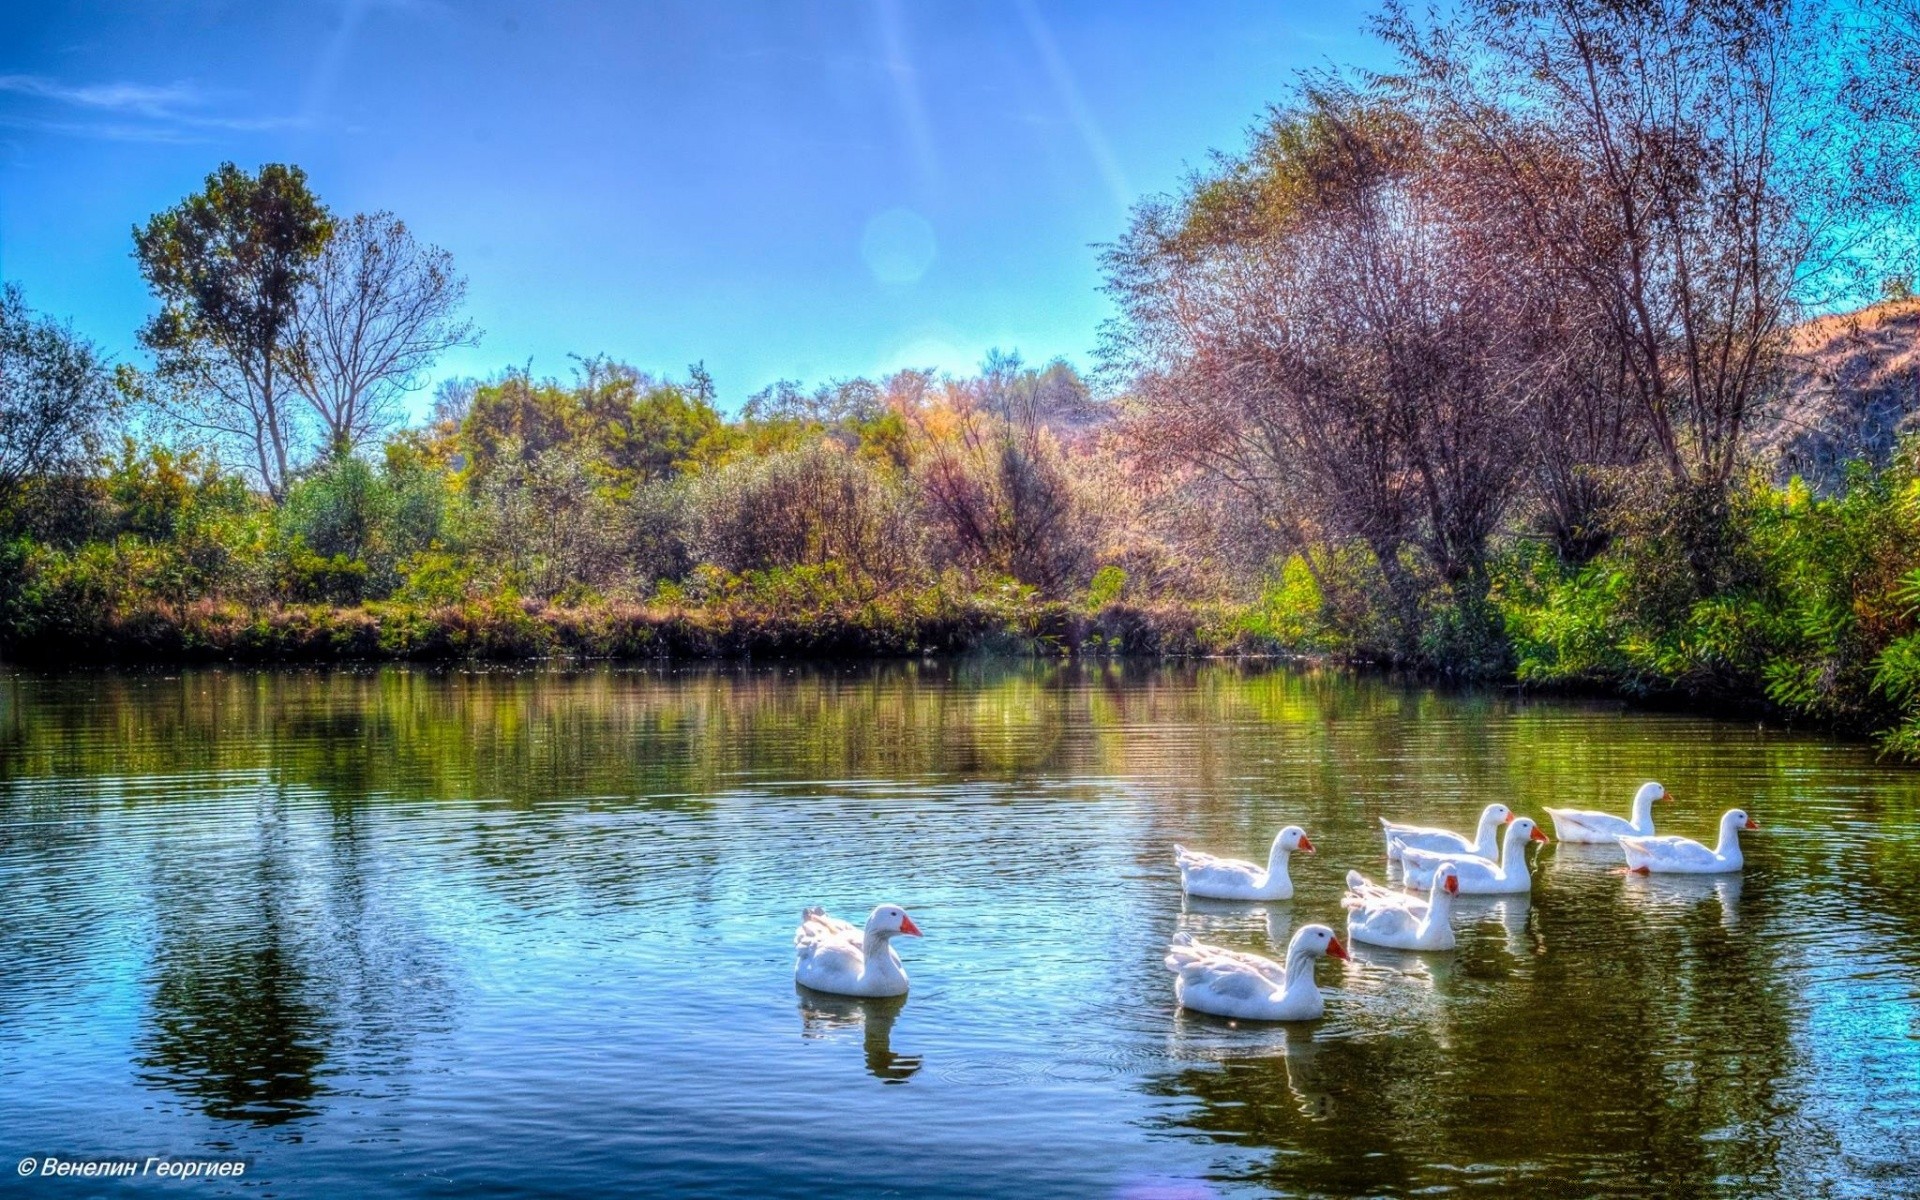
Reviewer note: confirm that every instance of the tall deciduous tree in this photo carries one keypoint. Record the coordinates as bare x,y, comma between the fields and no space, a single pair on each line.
378,309
228,265
54,392
1696,170
1331,326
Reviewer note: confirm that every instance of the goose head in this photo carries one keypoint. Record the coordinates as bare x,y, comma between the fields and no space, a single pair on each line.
1644,798
890,920
1291,840
1495,814
1317,941
1447,879
1737,819
1520,831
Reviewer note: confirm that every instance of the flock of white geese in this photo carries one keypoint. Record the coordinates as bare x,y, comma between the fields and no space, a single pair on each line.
844,959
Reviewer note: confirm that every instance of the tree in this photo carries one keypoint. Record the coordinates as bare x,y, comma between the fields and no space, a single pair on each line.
228,265
633,427
1331,327
54,393
377,310
1696,171
995,480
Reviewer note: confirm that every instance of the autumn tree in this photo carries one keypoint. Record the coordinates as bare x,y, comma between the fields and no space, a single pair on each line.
995,481
1694,171
1326,327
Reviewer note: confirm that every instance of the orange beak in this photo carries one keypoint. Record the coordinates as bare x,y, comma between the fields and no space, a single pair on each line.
908,927
1539,834
1306,847
1453,885
1336,950
1665,795
1752,824
1509,820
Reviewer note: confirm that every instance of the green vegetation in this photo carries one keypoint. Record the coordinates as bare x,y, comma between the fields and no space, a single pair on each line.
1473,367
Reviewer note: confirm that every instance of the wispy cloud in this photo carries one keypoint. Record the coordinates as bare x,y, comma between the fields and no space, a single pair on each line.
126,111
141,98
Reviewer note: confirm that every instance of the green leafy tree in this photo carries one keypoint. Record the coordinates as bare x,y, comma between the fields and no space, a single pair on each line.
54,393
228,264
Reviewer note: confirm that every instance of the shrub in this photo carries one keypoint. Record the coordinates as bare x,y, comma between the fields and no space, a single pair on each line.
806,507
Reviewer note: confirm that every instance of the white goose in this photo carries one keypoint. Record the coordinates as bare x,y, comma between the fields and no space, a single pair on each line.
1236,879
1382,916
1684,856
1583,826
1247,987
1480,876
831,955
1446,841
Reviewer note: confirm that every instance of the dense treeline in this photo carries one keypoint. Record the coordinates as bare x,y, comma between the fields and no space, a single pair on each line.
1480,348
1461,366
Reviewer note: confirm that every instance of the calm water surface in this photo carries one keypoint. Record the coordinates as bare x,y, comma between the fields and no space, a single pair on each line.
401,932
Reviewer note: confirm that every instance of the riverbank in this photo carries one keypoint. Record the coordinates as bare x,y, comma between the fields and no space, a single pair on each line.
831,625
904,624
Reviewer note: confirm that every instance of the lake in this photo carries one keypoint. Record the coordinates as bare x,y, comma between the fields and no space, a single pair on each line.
412,932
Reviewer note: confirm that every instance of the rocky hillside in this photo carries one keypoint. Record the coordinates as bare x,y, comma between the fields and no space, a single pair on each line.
1853,391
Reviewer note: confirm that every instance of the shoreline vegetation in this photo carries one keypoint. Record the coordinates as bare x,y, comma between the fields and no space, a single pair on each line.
508,630
1580,351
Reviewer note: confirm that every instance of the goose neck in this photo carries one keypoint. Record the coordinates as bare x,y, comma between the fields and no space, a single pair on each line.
1299,969
1513,849
1643,811
1729,845
1484,837
1277,862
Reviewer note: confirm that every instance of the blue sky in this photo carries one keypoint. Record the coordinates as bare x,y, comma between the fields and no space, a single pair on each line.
781,190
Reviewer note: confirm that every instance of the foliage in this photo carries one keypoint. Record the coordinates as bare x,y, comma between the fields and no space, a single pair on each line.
54,395
228,264
807,507
1815,616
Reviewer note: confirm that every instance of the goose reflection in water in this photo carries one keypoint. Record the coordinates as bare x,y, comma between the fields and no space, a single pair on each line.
1682,893
1217,920
1257,1053
824,1016
1512,914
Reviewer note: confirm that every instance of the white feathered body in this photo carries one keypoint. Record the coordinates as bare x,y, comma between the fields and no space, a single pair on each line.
1586,827
1381,916
831,955
1484,843
1478,876
1684,856
1230,878
1247,987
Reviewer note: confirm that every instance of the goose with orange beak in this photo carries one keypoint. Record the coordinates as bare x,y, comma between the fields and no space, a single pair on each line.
1236,879
1684,856
1480,876
1247,987
831,955
1381,916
